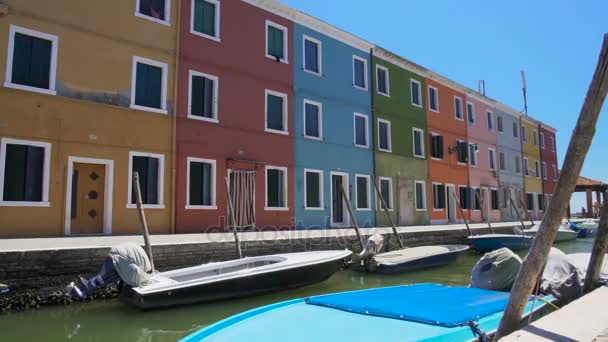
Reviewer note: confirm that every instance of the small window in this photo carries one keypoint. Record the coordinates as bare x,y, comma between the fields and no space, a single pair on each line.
313,127
464,197
524,133
386,190
526,167
535,137
501,161
517,165
276,112
494,199
554,170
420,196
490,118
438,196
536,169
155,10
149,85
202,103
436,146
515,131
418,136
201,184
544,170
363,191
206,19
492,157
384,135
276,42
313,184
505,198
475,198
433,99
542,140
382,79
471,113
499,124
462,152
24,173
416,92
530,201
458,108
276,188
150,168
361,130
312,56
541,202
473,149
552,142
359,72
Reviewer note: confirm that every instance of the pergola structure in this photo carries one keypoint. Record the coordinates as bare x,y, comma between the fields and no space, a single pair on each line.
589,186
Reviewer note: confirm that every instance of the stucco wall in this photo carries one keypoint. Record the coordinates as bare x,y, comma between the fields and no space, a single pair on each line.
549,156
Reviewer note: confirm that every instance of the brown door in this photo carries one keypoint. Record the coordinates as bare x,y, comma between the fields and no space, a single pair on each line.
406,202
88,198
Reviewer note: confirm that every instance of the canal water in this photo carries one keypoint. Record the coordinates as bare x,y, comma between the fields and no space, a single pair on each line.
112,321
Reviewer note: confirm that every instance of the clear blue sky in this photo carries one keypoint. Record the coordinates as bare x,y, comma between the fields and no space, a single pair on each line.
556,42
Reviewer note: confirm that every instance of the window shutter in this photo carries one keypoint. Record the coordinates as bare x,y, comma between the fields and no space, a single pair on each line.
34,170
272,184
312,120
196,183
73,195
40,66
207,188
152,181
197,96
141,83
385,191
14,172
140,166
155,79
275,113
360,129
208,98
208,18
441,192
312,190
22,59
275,42
362,192
440,147
311,52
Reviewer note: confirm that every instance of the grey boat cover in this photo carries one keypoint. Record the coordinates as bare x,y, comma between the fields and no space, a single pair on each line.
131,264
562,278
496,270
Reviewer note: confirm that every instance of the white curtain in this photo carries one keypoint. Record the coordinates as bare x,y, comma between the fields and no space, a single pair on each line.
242,192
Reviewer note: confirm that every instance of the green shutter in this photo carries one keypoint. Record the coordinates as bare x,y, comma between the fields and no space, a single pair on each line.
385,191
204,17
196,186
312,120
274,116
14,172
275,42
362,192
274,184
207,184
31,61
197,95
148,86
313,198
34,173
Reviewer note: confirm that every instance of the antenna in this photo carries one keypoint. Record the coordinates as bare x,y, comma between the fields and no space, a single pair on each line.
523,89
481,87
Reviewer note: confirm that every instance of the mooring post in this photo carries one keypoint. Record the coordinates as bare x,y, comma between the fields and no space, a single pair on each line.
233,220
523,226
600,247
487,215
352,216
385,207
523,205
142,219
462,213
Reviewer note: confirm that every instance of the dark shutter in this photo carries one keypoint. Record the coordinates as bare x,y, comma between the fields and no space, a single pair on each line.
196,187
440,147
14,172
383,135
148,86
433,146
204,17
362,192
148,170
312,120
541,204
463,198
313,198
495,200
381,81
415,93
275,42
22,59
207,184
419,196
360,130
272,184
208,98
359,73
31,61
34,173
441,192
74,194
152,181
385,191
197,97
311,53
274,116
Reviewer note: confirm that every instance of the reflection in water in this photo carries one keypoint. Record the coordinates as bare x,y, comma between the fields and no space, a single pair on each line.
114,321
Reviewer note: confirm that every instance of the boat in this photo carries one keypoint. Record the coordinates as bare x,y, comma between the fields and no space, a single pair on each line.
564,233
413,258
236,278
490,242
585,229
420,312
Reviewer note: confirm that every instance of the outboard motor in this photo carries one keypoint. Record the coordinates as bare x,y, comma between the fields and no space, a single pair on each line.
496,270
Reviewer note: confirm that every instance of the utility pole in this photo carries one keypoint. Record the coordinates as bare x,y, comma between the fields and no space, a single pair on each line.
524,91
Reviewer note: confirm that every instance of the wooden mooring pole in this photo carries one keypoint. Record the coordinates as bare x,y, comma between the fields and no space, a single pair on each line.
575,157
233,220
600,247
385,207
523,226
142,219
352,216
462,213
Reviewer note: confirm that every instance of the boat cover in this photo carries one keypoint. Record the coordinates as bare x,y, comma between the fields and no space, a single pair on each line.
424,303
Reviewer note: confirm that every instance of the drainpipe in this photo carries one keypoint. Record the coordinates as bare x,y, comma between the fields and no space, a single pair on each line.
173,212
373,119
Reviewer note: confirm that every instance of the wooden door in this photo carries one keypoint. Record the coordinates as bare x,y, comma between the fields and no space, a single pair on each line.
406,202
88,198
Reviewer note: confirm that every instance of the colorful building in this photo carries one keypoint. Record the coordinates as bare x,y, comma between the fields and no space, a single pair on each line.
548,156
533,185
400,137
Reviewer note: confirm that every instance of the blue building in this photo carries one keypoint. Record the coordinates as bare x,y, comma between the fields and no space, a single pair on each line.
333,127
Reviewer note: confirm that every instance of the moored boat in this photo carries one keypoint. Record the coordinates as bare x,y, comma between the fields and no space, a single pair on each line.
413,258
490,242
564,233
585,229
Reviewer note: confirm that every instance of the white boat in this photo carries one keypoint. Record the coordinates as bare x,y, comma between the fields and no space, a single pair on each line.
564,233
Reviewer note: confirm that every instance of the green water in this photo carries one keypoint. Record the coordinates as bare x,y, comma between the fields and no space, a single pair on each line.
113,321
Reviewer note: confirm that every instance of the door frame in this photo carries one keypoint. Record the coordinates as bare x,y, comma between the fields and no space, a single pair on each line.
450,194
108,186
255,193
346,222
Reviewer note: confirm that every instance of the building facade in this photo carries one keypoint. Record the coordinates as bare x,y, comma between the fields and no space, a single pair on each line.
548,156
533,186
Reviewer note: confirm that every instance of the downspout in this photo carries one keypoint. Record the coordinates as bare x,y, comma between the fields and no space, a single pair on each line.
373,119
174,119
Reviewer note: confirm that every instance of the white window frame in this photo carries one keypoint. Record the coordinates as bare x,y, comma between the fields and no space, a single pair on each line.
544,171
414,130
388,81
535,137
472,114
554,169
436,98
365,77
53,65
217,21
46,172
537,169
390,193
526,167
518,162
213,163
321,199
285,194
320,127
369,199
473,156
492,158
502,120
490,116
433,192
161,180
166,22
285,30
163,95
459,106
460,141
503,166
389,136
355,115
541,136
319,55
433,134
423,195
285,114
216,80
418,85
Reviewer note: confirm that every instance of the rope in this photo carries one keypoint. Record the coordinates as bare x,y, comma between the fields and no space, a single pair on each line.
483,337
548,303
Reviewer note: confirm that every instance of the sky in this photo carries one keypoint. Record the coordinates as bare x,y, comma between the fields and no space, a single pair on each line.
556,43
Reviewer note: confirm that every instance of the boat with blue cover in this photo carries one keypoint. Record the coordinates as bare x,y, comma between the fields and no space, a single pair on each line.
428,312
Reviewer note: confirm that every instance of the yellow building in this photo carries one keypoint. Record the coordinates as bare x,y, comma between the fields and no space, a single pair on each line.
87,98
533,185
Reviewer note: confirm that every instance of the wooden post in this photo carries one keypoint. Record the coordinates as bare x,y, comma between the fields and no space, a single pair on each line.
462,213
523,205
233,220
142,219
575,157
352,216
523,226
600,247
385,207
482,212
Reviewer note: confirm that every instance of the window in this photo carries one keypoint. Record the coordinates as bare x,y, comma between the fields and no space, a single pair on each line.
276,112
420,196
501,161
386,190
202,103
360,130
471,113
464,197
494,199
383,82
499,125
201,184
530,201
151,170
473,149
552,143
416,92
544,170
313,127
384,135
505,198
542,140
536,169
149,85
554,169
492,157
276,42
438,196
32,60
515,130
418,135
458,108
436,146
490,118
517,164
276,188
526,167
433,99
462,151
360,72
524,133
541,202
312,56
154,10
313,194
535,137
24,173
475,198
363,192
205,21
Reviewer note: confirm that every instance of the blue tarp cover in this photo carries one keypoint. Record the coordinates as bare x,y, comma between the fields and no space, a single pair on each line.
425,303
